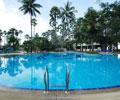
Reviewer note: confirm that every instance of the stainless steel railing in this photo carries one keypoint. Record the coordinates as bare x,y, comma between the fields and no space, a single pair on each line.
67,79
46,81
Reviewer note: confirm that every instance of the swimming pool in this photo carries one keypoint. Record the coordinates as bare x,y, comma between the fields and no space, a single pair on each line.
86,71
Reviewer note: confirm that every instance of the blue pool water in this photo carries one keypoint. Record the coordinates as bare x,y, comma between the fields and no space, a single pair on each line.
86,71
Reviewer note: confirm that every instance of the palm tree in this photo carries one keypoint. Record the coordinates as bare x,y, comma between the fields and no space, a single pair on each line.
54,14
34,23
20,32
1,33
67,13
27,37
12,38
29,6
62,32
46,34
5,33
68,18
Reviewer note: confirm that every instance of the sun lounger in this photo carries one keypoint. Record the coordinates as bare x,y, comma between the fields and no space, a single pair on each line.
0,51
5,51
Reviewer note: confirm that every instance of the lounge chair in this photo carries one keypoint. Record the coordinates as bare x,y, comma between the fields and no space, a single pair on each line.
103,50
111,50
5,51
0,51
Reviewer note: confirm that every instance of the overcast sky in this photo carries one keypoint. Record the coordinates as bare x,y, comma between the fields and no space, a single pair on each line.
11,17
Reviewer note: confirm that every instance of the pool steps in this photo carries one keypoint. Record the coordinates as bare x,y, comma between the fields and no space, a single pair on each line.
46,81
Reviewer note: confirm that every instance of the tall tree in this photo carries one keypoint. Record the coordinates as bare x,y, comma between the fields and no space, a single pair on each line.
34,23
5,33
12,37
46,34
54,15
1,33
80,32
27,37
68,14
110,22
29,6
68,18
62,29
91,19
20,32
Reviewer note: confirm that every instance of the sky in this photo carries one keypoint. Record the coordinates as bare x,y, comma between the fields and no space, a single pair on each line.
12,17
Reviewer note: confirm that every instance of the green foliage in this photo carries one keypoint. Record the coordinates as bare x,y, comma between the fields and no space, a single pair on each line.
101,26
17,51
54,15
27,45
69,45
37,44
31,7
12,38
91,52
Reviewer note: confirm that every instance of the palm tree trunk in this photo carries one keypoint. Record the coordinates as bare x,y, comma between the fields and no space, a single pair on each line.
31,30
92,45
34,31
0,41
4,42
55,37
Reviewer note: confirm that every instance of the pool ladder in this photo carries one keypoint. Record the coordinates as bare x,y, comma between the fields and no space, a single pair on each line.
46,81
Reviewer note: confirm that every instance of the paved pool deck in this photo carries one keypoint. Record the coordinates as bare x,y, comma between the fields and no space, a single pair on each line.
16,94
10,54
24,53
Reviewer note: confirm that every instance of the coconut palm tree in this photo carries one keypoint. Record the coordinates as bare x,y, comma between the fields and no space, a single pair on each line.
20,32
27,37
5,33
1,33
67,13
12,38
62,30
68,18
34,23
29,6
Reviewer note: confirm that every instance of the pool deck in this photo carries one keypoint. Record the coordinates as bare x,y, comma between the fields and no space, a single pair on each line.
16,94
24,53
9,54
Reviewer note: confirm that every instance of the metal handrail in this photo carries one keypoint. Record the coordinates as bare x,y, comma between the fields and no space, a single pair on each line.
67,79
45,81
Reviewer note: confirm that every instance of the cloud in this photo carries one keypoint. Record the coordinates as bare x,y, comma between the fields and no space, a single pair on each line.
13,18
2,7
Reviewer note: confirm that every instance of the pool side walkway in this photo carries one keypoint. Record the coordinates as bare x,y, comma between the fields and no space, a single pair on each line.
16,94
35,95
9,54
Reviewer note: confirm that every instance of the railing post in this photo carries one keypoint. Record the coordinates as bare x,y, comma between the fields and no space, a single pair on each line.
67,80
45,72
47,80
